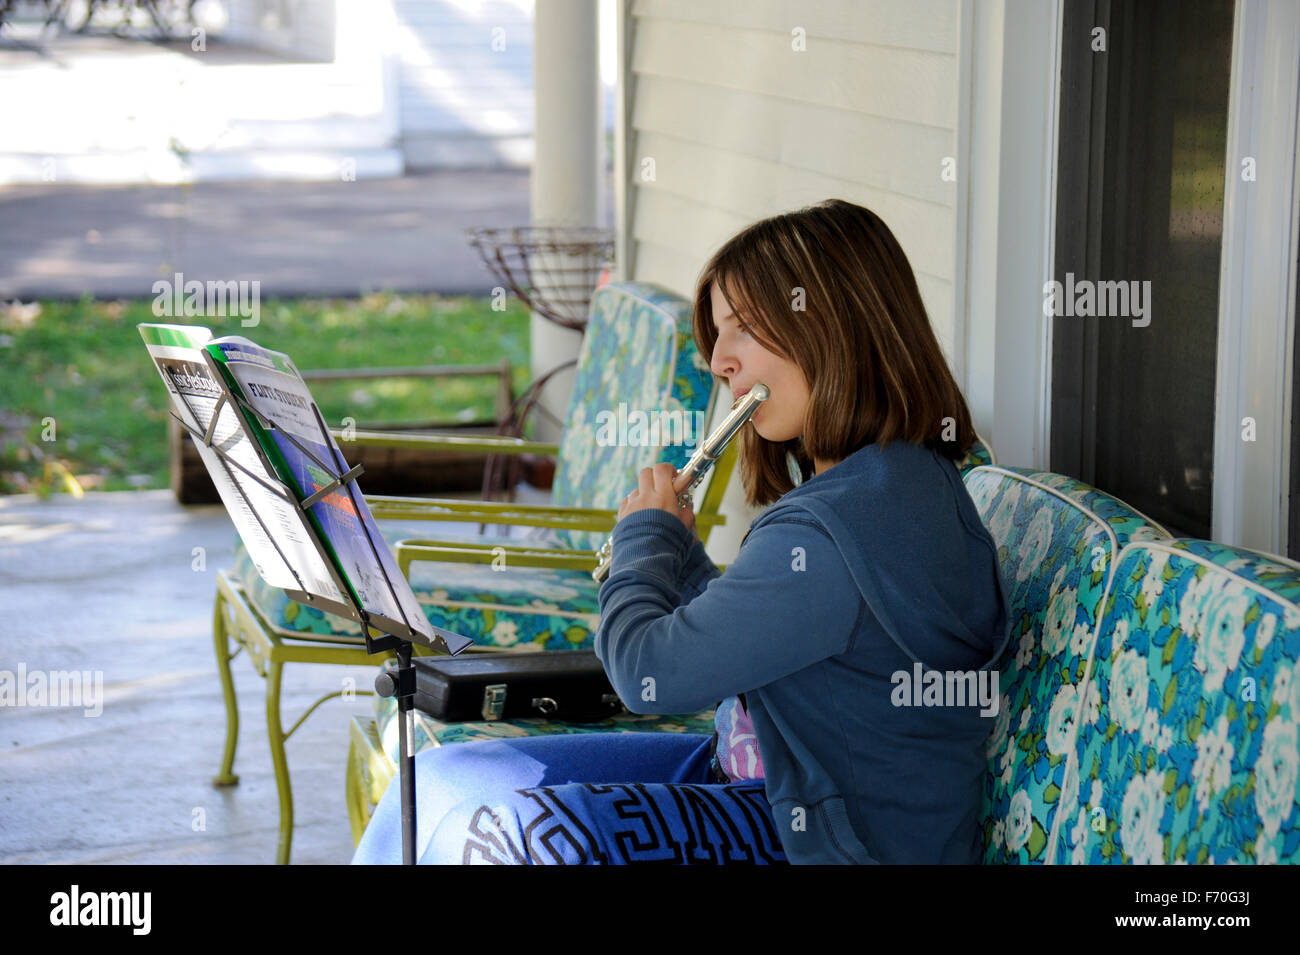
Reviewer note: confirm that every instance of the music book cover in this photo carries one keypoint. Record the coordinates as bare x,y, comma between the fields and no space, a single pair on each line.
329,555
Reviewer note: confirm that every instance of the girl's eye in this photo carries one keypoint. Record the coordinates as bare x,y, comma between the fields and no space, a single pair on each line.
743,327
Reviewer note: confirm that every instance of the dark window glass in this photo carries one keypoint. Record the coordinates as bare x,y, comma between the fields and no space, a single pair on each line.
1140,202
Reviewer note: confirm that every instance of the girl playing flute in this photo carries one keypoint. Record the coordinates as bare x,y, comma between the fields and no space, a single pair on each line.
870,567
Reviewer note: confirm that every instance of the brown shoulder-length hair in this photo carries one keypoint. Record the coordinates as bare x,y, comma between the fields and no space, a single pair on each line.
829,288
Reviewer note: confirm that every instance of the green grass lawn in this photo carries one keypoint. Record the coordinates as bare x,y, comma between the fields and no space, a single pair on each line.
83,364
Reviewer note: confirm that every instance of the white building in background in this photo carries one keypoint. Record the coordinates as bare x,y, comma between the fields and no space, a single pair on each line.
288,89
459,89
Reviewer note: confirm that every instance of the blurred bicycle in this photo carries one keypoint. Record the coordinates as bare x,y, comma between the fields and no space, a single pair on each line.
166,15
8,8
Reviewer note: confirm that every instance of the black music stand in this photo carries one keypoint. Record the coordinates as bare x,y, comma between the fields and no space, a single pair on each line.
381,632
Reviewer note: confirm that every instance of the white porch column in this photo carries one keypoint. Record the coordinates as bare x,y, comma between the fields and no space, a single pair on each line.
1009,70
567,163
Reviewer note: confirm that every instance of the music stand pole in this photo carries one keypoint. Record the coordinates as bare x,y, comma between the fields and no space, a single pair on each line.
401,683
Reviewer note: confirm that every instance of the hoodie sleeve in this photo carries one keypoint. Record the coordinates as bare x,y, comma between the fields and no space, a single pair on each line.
786,602
697,571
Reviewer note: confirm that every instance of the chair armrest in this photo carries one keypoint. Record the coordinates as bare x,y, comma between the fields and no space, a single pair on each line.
485,443
385,507
514,555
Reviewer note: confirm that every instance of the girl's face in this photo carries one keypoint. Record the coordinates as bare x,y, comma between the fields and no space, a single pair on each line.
743,362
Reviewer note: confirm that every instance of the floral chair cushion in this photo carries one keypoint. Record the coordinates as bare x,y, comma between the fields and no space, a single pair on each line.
550,608
638,365
1056,540
1187,750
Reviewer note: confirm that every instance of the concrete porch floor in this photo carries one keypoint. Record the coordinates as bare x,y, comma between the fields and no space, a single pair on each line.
108,583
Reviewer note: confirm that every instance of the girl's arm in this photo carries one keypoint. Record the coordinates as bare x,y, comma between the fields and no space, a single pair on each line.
787,602
697,571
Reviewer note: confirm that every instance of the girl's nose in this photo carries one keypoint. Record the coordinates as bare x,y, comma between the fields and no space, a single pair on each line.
723,365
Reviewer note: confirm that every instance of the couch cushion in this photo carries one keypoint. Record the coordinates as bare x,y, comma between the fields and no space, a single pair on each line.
1056,540
977,454
1187,750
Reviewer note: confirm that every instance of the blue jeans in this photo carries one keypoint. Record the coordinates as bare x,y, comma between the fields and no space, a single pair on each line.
612,798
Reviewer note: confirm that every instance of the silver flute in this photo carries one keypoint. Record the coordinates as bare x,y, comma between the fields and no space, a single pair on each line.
705,456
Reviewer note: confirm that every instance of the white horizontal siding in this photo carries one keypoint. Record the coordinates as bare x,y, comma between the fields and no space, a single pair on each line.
910,24
740,126
699,174
914,85
888,154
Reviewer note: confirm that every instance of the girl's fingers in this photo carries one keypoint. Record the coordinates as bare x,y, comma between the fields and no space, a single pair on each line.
688,517
663,478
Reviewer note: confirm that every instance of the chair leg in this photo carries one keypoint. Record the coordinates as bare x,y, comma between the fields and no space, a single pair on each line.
352,795
226,777
275,732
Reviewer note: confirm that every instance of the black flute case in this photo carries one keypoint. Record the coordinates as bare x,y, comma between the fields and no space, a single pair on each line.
566,685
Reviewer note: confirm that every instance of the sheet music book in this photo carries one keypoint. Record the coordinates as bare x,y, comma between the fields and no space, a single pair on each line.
284,481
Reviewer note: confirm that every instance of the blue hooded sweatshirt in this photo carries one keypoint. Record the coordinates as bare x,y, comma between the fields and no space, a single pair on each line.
845,596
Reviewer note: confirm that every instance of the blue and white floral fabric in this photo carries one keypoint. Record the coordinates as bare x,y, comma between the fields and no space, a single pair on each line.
657,376
1056,539
551,609
977,454
1187,749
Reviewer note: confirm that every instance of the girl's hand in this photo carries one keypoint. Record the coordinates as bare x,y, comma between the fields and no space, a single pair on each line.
656,490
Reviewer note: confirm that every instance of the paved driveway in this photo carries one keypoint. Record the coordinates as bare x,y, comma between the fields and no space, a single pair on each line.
302,238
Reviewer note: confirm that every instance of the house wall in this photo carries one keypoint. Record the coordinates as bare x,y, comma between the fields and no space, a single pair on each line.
741,126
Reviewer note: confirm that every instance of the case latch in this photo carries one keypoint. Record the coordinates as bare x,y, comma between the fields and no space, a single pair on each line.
494,701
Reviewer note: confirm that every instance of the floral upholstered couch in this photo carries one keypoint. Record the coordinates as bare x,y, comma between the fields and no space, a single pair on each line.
1150,697
1149,694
